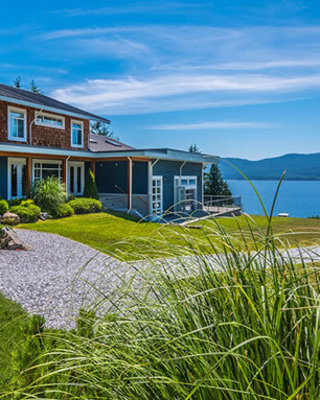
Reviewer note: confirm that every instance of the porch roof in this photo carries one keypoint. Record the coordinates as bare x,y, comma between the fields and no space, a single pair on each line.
161,154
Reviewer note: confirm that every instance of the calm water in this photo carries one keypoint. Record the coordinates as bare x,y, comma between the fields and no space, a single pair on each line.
298,198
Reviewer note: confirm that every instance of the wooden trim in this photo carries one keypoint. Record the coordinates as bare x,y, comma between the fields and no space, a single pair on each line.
93,167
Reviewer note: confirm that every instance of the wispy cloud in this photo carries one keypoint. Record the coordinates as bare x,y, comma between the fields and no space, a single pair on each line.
211,125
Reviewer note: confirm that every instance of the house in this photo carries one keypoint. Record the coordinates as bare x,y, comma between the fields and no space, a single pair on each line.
41,137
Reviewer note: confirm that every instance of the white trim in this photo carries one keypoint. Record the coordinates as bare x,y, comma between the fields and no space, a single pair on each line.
19,162
75,164
44,161
73,121
186,186
159,178
42,114
20,110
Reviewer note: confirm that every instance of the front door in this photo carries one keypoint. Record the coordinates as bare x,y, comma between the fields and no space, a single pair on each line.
76,178
17,178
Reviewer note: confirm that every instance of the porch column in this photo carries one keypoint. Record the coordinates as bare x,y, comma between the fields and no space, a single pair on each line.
93,167
64,171
29,175
129,184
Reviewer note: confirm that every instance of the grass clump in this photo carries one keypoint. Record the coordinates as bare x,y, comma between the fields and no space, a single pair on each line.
235,324
48,194
85,206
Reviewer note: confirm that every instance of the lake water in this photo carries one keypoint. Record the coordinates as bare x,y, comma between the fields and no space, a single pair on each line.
298,198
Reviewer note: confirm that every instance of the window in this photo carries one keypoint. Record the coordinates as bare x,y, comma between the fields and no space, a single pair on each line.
76,134
52,121
46,168
76,178
17,124
156,201
185,193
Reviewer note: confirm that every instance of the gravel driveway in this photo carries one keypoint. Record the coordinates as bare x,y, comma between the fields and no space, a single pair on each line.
55,277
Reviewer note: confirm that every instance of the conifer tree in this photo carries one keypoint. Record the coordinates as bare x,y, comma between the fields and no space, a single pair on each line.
90,187
215,184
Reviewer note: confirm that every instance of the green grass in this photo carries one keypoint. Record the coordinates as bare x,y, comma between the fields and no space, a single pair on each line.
12,319
122,236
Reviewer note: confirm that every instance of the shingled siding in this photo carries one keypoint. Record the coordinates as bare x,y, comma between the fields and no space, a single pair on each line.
170,169
112,177
3,177
41,135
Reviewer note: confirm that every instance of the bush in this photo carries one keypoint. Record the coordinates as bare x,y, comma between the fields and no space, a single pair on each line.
48,194
64,210
85,206
90,187
3,206
27,213
15,202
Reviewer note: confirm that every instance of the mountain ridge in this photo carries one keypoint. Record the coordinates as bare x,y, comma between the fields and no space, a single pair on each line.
299,166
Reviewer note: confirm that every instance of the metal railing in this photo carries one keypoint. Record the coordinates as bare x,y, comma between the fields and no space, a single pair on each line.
219,204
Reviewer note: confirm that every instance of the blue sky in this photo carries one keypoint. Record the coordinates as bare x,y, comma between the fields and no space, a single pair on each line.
238,78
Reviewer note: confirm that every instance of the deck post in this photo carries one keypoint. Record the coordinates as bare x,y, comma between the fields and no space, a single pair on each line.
29,175
129,184
93,167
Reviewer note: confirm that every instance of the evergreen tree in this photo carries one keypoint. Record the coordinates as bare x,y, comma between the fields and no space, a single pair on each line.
34,88
98,128
193,148
90,187
215,184
17,82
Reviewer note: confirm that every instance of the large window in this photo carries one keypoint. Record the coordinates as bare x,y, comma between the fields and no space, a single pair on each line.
76,134
185,193
50,120
76,178
44,168
17,124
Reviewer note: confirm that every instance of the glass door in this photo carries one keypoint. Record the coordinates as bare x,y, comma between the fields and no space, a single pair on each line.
17,178
76,178
156,200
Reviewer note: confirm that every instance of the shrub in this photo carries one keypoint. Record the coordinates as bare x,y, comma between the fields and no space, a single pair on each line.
48,194
3,206
64,210
27,213
90,187
85,206
15,202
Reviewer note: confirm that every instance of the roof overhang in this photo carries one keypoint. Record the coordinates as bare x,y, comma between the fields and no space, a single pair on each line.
53,109
161,154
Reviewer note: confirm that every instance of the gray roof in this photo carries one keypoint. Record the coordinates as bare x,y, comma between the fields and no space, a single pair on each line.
25,97
99,144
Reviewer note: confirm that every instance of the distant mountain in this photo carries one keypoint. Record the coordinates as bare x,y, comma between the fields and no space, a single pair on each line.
298,166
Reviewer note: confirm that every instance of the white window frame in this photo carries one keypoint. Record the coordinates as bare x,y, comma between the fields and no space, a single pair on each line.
42,114
76,164
20,110
157,177
20,162
43,161
73,121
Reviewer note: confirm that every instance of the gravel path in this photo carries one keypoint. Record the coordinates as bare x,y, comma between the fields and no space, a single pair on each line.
57,276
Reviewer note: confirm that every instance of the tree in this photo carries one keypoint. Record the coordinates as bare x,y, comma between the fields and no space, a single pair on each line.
98,128
215,184
34,88
193,148
90,186
17,82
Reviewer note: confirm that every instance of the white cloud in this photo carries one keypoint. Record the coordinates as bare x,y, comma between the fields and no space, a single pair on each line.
212,125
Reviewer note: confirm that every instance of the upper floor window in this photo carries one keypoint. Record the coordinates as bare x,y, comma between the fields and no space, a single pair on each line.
50,120
17,124
76,134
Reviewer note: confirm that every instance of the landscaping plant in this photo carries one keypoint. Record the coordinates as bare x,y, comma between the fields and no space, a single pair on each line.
48,194
84,206
27,211
90,187
64,210
3,206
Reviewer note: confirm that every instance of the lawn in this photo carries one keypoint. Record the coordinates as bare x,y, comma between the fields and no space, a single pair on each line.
124,237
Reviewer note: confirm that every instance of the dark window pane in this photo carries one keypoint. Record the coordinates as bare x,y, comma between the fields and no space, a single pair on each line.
14,181
79,180
24,180
72,179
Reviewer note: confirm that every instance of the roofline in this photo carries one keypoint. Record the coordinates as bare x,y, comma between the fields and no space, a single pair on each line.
53,109
170,154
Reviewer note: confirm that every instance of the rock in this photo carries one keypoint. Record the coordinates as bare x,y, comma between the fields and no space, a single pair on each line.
44,216
10,240
9,218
